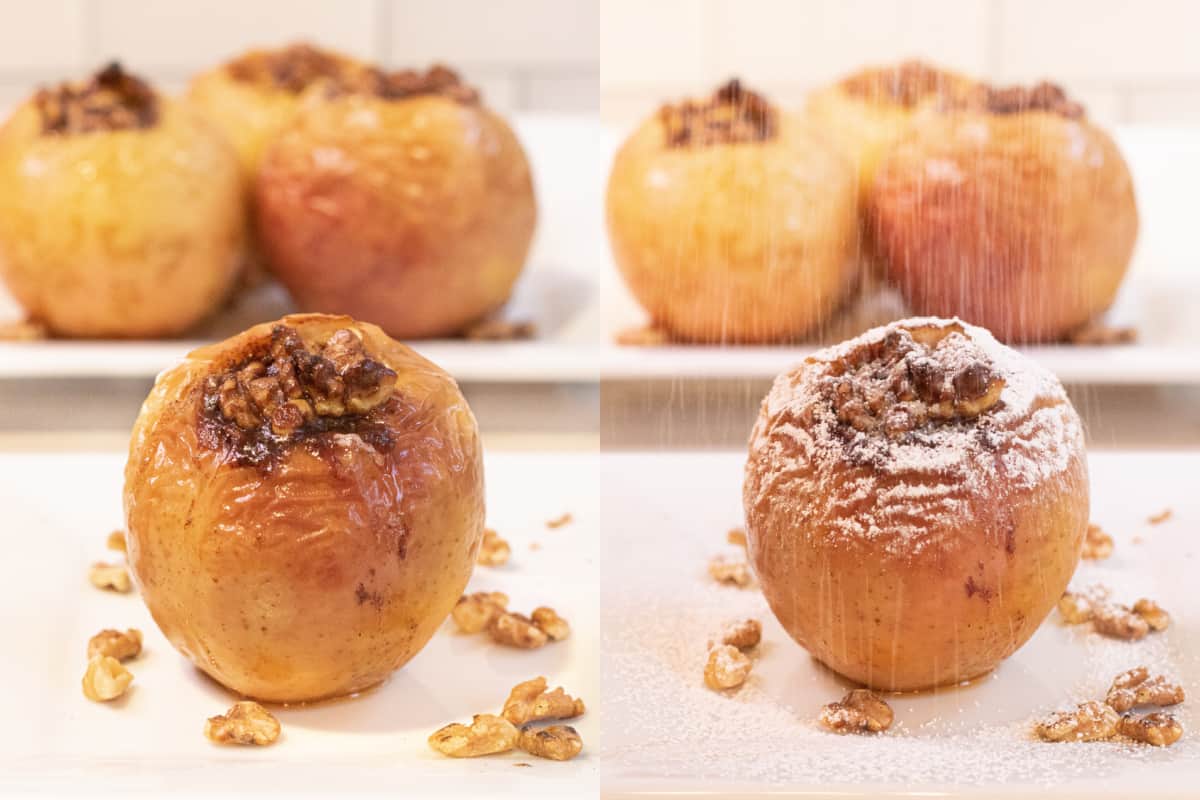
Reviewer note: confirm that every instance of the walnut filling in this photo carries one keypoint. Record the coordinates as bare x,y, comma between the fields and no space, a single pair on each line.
732,115
111,100
296,67
437,80
904,84
910,380
293,391
1044,96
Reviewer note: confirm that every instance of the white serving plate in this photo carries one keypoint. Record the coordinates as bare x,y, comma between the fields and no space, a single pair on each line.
60,508
665,733
572,291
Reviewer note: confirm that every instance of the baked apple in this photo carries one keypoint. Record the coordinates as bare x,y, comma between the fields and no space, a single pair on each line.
121,213
410,205
916,501
866,113
304,503
1014,212
731,222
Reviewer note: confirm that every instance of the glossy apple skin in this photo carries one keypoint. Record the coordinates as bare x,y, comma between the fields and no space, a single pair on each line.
1024,223
752,242
325,572
119,234
414,214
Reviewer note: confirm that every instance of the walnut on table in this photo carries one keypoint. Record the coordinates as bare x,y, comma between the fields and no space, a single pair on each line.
556,742
860,711
105,679
1135,687
736,536
116,541
1087,722
110,577
474,612
1097,544
550,623
1152,613
742,634
115,644
244,723
494,551
516,630
559,521
530,702
725,570
1157,728
1161,517
487,734
727,668
1119,622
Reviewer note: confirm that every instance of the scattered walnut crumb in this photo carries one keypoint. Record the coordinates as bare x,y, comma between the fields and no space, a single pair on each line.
1075,608
474,612
1096,333
727,667
1152,613
550,623
246,722
1135,687
22,331
1119,622
522,764
556,742
742,634
116,541
500,330
1161,517
530,702
487,734
493,550
105,679
724,570
115,644
736,536
558,522
860,711
516,630
1157,728
1087,722
644,336
112,577
1097,544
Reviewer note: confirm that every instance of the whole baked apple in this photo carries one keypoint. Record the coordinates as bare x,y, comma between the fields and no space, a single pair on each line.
121,213
304,503
409,205
731,222
916,500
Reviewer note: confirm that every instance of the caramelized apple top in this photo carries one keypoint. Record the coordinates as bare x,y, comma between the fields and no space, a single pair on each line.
732,115
904,84
291,390
111,100
298,66
437,80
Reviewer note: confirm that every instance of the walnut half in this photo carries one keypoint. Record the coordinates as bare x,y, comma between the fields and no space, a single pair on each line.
1136,688
727,668
1087,722
487,734
244,723
111,577
105,679
860,711
516,630
556,742
725,570
494,551
1158,728
115,644
530,702
474,612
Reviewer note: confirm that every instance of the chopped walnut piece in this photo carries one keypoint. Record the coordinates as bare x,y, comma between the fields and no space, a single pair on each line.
1097,544
516,630
474,612
550,623
1161,517
1157,728
1136,688
742,634
530,702
500,330
105,679
116,541
1087,722
724,570
645,336
487,734
1075,608
1152,613
727,667
245,722
556,742
493,550
112,577
22,331
860,711
1119,622
115,644
559,521
736,536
